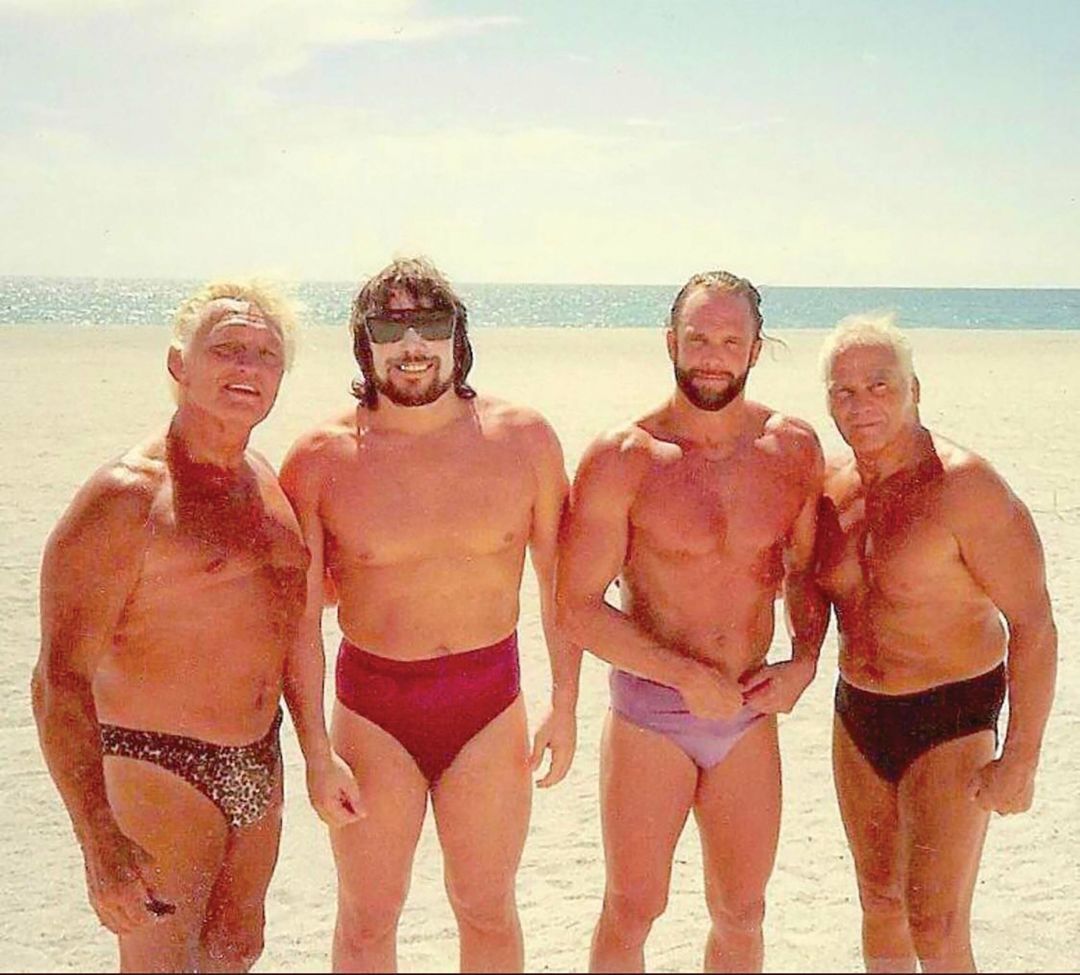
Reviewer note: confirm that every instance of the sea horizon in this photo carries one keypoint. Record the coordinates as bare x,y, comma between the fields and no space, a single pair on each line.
88,300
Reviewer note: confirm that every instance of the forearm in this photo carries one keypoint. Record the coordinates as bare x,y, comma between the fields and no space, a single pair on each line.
304,688
70,738
565,657
1032,670
614,637
806,611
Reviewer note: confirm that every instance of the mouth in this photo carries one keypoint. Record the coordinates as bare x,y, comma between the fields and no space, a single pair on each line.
414,367
243,390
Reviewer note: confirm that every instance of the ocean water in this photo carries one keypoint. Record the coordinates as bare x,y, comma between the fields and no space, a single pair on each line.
130,301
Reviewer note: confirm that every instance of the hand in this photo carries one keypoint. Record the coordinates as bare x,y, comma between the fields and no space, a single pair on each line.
1004,786
558,734
710,693
775,688
333,792
117,880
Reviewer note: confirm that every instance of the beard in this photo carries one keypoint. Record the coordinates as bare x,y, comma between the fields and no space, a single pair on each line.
709,399
413,395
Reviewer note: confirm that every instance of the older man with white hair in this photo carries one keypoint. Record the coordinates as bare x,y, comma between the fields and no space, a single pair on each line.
936,573
171,590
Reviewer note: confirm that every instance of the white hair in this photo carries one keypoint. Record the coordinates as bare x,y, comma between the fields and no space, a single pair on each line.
269,298
867,329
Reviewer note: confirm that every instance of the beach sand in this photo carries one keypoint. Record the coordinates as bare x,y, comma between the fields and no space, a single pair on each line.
72,398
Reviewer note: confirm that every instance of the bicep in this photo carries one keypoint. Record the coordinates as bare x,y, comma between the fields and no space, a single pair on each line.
90,567
1002,550
300,481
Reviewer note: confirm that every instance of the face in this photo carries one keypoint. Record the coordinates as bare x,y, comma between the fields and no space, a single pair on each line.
233,365
713,347
871,398
413,371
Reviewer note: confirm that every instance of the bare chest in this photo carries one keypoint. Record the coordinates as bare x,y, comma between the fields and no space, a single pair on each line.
689,506
388,506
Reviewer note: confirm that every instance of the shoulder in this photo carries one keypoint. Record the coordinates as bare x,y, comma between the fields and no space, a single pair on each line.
796,439
315,446
839,475
522,424
618,458
973,490
115,503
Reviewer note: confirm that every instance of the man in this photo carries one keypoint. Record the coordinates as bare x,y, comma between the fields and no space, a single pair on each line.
923,550
170,594
418,505
702,510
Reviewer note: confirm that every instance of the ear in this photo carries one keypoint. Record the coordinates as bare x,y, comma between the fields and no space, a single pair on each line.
755,351
672,343
175,363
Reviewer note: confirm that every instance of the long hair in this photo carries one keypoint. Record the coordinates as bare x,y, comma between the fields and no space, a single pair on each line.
423,282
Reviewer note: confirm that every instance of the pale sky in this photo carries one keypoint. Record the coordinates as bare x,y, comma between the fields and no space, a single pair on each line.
837,142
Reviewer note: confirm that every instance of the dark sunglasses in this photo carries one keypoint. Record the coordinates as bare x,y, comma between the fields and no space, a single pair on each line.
431,326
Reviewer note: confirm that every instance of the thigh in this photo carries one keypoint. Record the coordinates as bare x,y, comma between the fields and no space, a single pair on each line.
647,786
238,897
737,807
870,811
374,854
945,826
482,804
185,833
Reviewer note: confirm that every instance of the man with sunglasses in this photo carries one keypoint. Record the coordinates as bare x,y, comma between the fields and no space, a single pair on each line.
417,506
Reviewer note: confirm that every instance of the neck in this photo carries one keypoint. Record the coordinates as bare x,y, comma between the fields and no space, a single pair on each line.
708,428
207,440
907,450
417,420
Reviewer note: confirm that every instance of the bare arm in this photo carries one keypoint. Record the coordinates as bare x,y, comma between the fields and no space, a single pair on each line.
777,687
331,788
558,731
592,554
90,567
1001,548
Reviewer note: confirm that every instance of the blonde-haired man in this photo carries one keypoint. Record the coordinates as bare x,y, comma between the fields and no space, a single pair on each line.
170,592
924,551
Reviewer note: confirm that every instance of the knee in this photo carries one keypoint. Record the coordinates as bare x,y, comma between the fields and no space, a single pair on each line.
731,913
936,932
365,920
483,907
882,901
633,910
234,943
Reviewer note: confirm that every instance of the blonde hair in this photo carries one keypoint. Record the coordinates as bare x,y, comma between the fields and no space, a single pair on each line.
866,329
271,300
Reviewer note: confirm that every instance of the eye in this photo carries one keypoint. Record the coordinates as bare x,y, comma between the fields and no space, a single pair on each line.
269,355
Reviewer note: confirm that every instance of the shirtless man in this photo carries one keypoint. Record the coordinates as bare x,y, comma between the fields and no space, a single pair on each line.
702,509
170,594
924,550
417,505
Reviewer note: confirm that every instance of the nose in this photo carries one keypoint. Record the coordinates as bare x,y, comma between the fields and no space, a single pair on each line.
412,339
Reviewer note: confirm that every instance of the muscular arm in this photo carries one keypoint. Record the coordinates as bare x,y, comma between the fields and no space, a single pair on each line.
1000,547
558,731
331,792
592,554
777,687
90,567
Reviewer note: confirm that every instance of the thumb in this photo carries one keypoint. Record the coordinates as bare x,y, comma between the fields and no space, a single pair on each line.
540,742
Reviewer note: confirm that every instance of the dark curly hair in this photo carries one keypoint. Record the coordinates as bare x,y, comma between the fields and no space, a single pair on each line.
424,283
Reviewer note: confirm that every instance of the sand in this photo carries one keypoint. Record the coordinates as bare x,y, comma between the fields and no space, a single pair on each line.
71,398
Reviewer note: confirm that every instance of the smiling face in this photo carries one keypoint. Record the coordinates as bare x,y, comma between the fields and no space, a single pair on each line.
413,371
872,398
233,364
713,346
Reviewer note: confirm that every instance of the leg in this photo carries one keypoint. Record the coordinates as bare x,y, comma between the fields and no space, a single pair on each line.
946,831
482,804
737,808
232,934
870,811
374,855
647,787
185,833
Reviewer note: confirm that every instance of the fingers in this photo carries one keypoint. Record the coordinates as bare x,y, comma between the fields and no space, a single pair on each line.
561,759
124,907
756,678
540,743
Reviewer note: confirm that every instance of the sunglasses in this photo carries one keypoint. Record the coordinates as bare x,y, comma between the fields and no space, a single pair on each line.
431,326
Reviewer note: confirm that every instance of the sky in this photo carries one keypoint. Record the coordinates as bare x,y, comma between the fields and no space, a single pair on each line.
868,143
